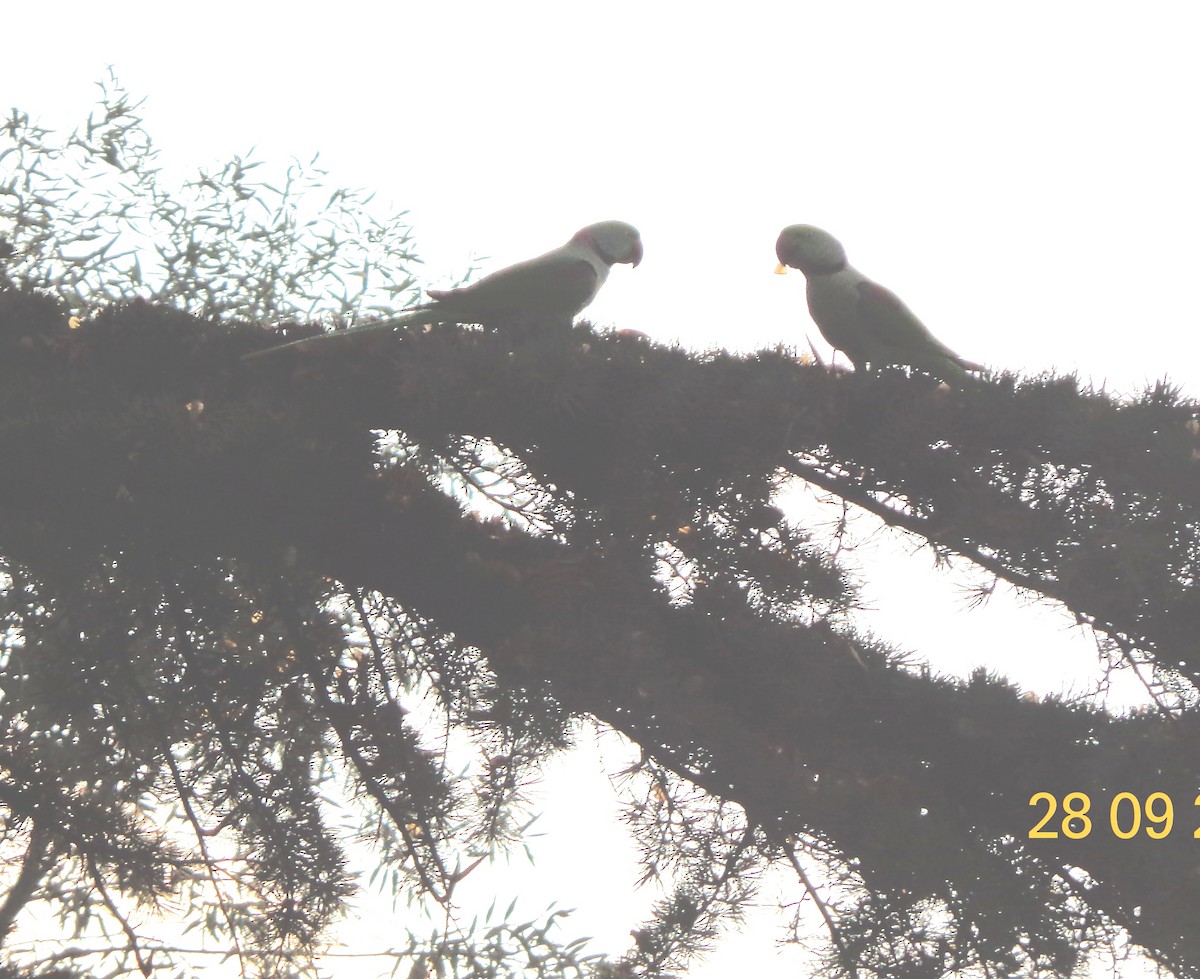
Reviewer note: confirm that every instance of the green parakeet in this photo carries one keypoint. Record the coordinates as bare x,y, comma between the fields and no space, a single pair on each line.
550,289
868,323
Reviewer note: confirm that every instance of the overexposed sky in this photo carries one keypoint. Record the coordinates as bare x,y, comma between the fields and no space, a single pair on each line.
1023,174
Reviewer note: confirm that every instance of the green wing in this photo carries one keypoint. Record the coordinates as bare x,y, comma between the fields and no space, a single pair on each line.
550,285
896,337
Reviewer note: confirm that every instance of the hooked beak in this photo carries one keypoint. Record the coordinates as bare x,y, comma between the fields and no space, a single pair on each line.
635,256
781,269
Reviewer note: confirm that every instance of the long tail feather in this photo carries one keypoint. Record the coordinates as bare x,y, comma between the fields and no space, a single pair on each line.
417,316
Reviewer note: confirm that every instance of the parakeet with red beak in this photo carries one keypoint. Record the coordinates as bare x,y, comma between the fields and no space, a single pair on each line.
868,323
548,290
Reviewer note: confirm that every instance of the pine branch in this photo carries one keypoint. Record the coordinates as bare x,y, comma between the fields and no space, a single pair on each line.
749,679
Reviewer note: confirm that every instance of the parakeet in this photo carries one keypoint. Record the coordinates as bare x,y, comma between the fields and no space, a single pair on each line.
868,323
549,289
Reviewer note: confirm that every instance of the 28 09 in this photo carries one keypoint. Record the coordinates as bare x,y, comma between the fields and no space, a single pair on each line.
1128,816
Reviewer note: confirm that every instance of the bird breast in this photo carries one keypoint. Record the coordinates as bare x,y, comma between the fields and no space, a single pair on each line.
834,302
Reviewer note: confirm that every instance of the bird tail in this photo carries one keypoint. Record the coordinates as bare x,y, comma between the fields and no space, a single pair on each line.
416,316
956,371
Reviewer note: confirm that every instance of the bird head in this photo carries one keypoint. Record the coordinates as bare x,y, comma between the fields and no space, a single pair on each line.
810,250
614,241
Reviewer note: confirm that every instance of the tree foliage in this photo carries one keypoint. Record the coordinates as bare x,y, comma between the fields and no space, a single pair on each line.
230,599
93,219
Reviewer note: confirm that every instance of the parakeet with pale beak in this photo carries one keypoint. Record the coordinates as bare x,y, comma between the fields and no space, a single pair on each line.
546,290
868,323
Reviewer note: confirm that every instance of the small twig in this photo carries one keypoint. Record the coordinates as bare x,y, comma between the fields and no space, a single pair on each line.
184,793
822,907
134,947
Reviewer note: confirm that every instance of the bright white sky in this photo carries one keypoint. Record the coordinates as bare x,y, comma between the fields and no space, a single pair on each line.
1023,174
